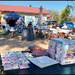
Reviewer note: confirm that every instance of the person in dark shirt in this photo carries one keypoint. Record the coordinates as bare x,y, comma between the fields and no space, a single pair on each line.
30,25
66,36
12,25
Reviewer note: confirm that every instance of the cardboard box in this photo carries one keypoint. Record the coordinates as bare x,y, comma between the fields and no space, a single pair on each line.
62,50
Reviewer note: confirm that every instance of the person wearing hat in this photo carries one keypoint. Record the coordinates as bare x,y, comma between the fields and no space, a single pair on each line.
66,35
30,24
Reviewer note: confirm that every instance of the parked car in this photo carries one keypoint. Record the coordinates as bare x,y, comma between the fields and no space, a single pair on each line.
55,24
69,24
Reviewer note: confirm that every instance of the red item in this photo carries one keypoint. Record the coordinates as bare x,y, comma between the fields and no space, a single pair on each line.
37,31
38,53
49,24
61,34
53,36
35,47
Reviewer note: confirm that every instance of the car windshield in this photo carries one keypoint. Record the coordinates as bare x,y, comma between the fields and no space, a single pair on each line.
53,22
50,22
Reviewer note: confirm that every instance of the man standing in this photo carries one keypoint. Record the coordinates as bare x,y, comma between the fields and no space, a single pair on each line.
20,23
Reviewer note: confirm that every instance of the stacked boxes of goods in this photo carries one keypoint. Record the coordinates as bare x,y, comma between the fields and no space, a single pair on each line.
62,50
14,60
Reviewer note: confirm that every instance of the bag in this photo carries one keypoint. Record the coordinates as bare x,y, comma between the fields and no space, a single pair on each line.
38,53
31,47
35,47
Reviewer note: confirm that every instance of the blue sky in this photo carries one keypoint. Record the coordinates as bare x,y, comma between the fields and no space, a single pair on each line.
53,5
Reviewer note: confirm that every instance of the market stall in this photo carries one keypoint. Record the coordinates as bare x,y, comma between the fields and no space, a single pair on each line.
61,59
16,17
12,14
60,30
33,69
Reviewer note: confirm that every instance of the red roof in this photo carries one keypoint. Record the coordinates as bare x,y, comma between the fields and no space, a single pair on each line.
21,9
48,15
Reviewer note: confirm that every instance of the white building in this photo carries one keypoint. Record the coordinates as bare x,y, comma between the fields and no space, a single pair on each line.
29,13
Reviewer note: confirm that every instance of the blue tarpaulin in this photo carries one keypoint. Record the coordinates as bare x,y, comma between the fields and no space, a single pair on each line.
12,14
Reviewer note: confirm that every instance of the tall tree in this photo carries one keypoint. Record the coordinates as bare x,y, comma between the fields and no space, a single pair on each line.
73,6
54,15
0,17
66,14
73,19
30,5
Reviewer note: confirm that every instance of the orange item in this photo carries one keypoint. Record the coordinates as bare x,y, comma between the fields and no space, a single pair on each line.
42,48
53,36
61,34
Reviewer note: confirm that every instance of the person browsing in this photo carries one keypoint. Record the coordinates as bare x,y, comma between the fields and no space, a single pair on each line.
12,25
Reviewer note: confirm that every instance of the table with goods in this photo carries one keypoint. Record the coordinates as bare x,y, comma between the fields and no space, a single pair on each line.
59,58
60,30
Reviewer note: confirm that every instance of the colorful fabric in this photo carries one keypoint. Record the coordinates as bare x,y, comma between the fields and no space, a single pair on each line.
54,69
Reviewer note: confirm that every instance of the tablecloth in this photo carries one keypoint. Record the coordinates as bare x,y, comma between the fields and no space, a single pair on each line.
54,69
60,30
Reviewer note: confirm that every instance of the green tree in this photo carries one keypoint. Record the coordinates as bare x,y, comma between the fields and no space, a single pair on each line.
0,17
73,7
73,19
54,15
30,5
66,14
